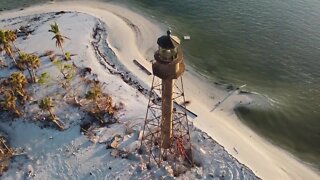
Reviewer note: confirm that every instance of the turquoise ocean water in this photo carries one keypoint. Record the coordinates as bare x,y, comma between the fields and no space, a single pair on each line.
272,46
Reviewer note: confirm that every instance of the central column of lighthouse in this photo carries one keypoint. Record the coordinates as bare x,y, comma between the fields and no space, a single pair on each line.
167,107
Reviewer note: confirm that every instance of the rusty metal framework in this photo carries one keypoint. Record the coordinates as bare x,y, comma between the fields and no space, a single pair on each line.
180,149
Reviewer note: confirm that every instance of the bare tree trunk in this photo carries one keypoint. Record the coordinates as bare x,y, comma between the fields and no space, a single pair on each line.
14,109
13,58
64,75
99,112
59,124
11,54
34,76
30,73
63,52
16,48
5,145
55,120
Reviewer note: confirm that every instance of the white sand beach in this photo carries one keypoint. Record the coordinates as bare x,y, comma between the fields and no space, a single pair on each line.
133,36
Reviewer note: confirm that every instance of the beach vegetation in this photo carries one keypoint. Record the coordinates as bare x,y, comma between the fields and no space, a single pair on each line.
102,103
43,78
12,37
95,92
8,102
67,56
58,36
29,62
7,38
6,153
18,82
47,104
67,70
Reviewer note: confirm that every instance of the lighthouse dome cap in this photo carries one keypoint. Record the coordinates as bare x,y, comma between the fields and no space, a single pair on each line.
168,41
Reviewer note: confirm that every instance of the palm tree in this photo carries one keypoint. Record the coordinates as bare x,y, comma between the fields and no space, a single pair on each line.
11,37
7,37
18,83
48,105
58,36
30,62
9,102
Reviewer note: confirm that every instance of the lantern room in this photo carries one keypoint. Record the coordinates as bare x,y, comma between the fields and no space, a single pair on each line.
168,47
169,61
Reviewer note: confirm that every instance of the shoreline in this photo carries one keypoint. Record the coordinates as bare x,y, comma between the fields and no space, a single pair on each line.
94,53
223,126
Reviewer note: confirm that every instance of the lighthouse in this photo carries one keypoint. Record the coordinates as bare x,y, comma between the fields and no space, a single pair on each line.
166,128
169,66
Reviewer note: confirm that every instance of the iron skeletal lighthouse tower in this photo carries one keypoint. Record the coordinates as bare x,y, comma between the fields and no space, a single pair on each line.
166,134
